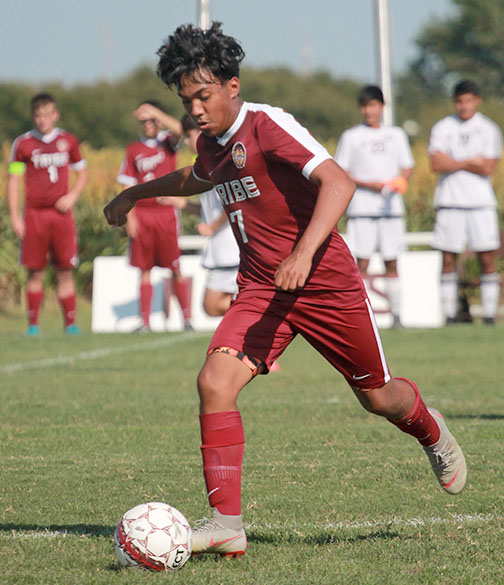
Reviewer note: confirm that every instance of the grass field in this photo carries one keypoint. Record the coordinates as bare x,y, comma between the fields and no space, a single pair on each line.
91,426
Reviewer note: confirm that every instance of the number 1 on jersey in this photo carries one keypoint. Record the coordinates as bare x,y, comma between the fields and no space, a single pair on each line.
237,217
53,173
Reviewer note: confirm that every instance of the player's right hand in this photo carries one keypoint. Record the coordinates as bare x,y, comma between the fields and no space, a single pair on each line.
18,227
116,212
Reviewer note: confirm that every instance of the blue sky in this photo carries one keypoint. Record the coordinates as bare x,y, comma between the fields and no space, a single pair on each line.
82,41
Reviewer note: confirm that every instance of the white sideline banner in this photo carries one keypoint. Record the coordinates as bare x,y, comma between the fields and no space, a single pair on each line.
116,287
420,289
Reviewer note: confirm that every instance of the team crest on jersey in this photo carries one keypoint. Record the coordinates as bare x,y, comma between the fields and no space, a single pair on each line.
239,155
62,145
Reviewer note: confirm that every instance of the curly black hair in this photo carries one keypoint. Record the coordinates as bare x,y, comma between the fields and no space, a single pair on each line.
192,51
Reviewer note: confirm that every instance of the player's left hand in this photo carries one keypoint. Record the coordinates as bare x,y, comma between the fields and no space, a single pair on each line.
146,112
205,229
292,272
65,203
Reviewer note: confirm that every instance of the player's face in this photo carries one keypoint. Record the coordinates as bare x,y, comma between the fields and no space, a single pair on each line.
45,118
466,105
149,128
212,105
371,113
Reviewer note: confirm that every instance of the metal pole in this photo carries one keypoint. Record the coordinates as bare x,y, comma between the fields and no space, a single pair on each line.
383,60
204,14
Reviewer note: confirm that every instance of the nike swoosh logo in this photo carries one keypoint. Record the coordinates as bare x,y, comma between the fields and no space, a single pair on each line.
210,173
361,377
212,491
220,542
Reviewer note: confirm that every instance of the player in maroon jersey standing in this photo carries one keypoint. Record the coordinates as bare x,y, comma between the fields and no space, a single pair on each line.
44,156
284,196
153,225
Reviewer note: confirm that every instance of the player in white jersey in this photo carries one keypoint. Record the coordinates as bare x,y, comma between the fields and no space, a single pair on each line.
464,149
379,161
221,256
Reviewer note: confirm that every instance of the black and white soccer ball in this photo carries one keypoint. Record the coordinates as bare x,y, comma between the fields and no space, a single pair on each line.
153,536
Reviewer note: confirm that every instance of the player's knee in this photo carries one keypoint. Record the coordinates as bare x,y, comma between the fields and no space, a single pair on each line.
210,385
378,402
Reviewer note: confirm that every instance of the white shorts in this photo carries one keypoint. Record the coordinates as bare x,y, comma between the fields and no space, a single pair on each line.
367,235
222,280
478,229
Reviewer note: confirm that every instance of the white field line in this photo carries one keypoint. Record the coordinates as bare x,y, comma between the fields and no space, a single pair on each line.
97,353
394,521
296,527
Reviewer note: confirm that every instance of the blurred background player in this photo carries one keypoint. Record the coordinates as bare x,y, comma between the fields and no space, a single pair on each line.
284,195
221,255
44,156
379,161
464,149
153,226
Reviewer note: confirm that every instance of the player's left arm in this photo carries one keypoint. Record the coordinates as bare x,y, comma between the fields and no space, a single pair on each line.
335,191
162,118
67,201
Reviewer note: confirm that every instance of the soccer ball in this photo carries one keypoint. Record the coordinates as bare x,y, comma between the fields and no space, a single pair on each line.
153,536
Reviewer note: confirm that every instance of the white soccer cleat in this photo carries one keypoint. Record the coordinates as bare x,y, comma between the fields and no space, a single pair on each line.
446,458
211,536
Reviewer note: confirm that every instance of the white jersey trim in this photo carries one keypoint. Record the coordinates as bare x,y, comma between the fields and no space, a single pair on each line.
199,178
226,137
126,180
314,162
386,374
289,124
79,165
15,144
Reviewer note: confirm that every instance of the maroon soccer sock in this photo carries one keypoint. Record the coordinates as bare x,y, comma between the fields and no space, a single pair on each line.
181,289
145,302
68,308
418,422
33,301
223,443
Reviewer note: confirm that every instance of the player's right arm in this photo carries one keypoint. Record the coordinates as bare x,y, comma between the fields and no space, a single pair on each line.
180,183
442,163
13,187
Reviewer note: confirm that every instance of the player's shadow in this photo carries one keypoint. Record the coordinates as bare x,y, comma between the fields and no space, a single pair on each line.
323,537
93,530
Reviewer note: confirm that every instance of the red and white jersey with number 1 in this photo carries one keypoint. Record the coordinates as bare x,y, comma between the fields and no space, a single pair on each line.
260,168
145,160
47,158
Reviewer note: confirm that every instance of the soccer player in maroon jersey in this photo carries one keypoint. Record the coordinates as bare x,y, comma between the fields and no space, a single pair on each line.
44,156
284,195
153,225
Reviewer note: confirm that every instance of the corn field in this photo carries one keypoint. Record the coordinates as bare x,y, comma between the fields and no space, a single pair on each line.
97,238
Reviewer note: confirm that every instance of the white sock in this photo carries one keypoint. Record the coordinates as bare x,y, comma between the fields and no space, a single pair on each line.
490,288
393,292
449,290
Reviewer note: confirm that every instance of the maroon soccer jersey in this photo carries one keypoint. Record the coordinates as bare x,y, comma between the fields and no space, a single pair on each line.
47,158
260,168
145,160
